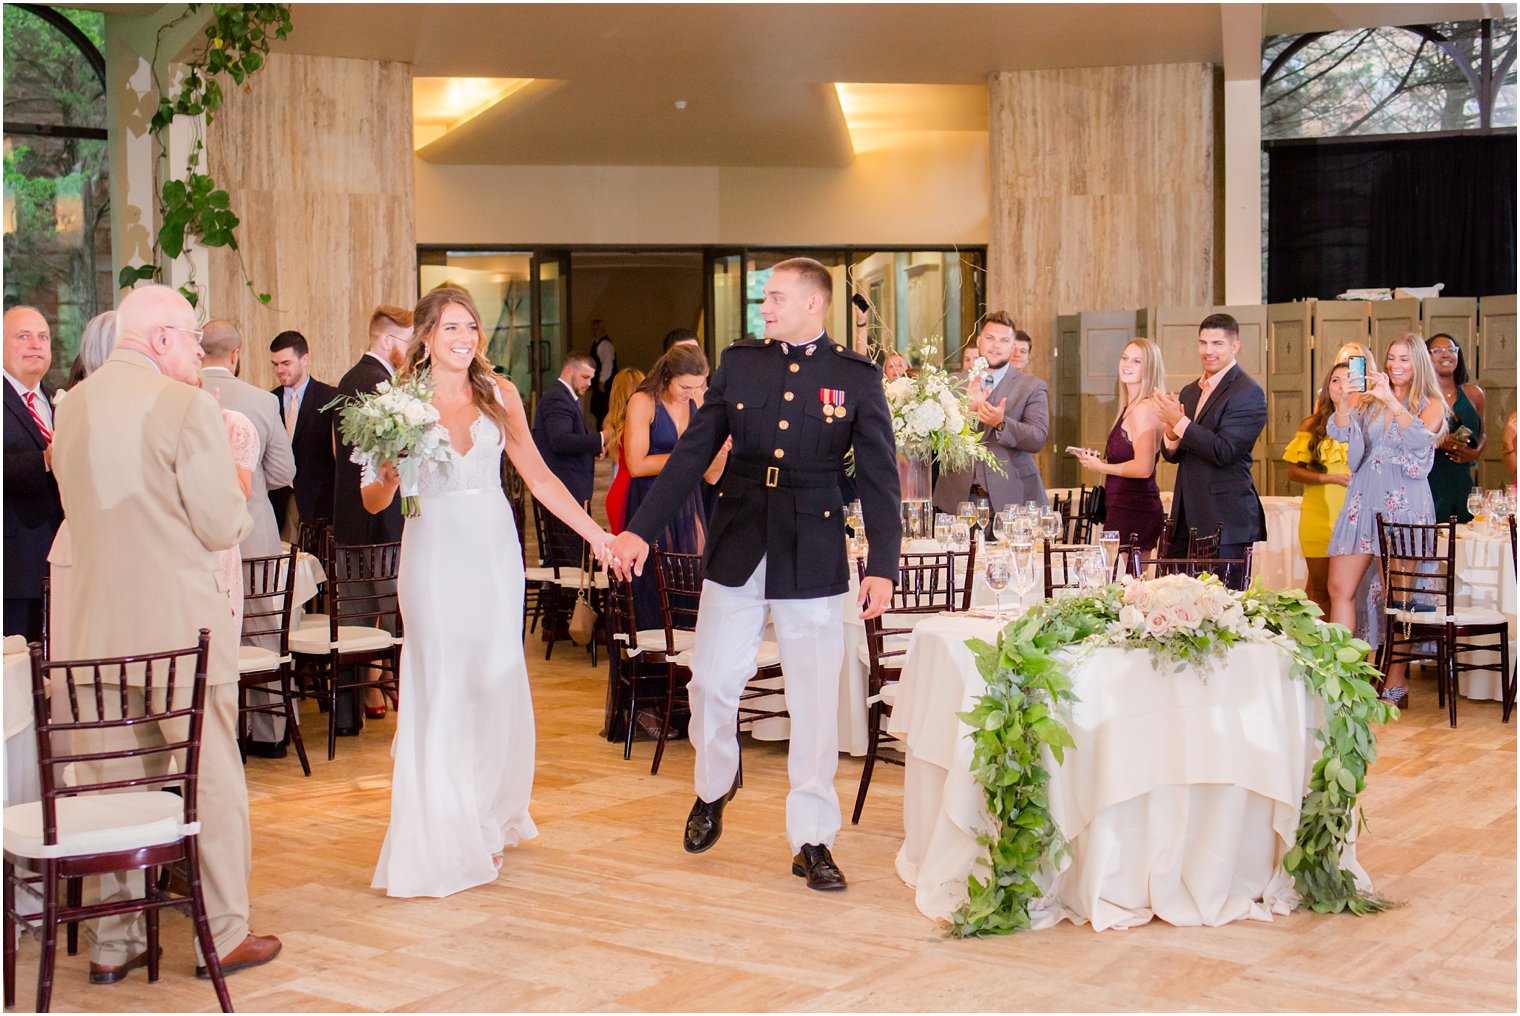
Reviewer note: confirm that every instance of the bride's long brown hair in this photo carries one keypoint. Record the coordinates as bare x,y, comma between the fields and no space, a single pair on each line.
482,377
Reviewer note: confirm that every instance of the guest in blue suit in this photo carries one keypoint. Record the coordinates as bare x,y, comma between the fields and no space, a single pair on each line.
569,447
33,511
1210,431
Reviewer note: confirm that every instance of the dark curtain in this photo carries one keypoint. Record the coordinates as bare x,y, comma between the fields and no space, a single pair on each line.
1391,212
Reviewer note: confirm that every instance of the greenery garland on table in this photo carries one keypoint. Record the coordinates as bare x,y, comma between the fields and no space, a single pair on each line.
1180,619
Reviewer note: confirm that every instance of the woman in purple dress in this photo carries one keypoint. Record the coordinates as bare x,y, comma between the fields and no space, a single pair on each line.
1390,434
1132,502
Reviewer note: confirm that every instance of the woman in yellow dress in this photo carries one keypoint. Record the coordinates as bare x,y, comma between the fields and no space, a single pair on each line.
1319,462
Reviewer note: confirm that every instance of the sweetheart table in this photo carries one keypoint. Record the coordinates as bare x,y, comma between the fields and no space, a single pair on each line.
1180,798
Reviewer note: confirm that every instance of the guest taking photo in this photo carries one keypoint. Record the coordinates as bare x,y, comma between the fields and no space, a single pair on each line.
1318,461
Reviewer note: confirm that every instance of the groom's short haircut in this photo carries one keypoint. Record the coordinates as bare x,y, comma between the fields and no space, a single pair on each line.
578,360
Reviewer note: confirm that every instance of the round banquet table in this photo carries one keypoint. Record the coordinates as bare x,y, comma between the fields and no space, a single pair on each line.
1277,560
1485,578
1179,800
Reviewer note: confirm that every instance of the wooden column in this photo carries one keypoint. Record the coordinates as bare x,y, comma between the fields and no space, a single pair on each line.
1102,194
317,156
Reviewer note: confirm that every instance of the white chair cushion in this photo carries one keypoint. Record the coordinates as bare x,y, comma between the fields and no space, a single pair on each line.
652,640
99,824
1464,615
769,655
889,694
255,660
351,639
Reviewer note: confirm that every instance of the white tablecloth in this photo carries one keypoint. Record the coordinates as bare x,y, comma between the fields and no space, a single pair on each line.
21,782
1485,578
1180,798
1277,560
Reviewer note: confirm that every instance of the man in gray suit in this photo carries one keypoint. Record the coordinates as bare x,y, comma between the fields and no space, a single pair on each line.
1014,412
276,468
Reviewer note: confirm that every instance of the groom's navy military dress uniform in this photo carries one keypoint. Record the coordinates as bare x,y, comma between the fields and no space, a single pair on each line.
776,547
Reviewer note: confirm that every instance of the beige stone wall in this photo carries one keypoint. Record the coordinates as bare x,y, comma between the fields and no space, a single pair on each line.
1101,193
317,156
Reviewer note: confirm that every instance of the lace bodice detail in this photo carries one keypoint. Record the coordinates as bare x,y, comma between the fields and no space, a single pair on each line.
244,438
477,469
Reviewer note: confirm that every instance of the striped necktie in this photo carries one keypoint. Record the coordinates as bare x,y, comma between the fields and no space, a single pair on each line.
31,406
292,411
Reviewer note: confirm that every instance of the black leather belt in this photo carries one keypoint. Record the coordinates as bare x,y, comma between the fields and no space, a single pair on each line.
771,475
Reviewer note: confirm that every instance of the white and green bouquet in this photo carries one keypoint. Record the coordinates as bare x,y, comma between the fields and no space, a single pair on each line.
932,418
394,423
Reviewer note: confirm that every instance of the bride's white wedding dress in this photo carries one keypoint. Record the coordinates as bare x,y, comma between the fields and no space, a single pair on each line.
463,752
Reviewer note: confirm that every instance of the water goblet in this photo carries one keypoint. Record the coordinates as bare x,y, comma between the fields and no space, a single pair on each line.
1476,505
999,568
1050,525
942,523
1109,544
960,536
1023,560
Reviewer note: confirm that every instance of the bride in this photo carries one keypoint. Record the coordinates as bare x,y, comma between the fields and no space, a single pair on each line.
463,753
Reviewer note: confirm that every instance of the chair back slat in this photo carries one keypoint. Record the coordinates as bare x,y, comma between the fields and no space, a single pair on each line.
362,587
1233,572
160,699
559,546
1417,564
269,596
680,582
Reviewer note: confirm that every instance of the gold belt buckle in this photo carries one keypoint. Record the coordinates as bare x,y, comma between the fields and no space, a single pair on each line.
772,476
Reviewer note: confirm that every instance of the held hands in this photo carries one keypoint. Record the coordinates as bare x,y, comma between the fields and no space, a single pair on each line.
626,553
875,596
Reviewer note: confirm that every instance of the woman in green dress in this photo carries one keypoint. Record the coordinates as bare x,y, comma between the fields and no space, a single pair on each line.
1453,475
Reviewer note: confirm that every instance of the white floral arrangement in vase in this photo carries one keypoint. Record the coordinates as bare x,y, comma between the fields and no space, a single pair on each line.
932,419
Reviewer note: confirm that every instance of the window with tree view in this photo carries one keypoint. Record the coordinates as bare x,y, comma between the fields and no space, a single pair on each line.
57,221
1448,76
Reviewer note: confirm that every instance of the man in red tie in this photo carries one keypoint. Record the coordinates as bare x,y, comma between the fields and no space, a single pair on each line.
32,509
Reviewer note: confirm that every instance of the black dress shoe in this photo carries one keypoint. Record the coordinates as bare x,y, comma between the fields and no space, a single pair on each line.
815,864
265,749
705,823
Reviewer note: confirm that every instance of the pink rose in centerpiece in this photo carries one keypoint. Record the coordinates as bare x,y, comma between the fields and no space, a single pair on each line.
1158,622
1187,615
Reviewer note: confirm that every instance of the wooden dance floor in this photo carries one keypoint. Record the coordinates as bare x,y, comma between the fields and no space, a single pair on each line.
605,911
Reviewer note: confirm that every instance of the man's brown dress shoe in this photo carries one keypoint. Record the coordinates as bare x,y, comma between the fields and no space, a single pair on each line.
253,951
102,974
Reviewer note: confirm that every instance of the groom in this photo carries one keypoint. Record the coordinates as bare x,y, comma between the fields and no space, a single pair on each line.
793,404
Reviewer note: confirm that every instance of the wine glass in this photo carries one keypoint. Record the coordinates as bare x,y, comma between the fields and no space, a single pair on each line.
856,546
1050,525
983,513
999,527
966,512
1476,505
999,567
1109,544
942,523
960,536
1022,557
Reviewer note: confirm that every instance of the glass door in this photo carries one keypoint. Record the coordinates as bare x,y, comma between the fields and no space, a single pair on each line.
551,318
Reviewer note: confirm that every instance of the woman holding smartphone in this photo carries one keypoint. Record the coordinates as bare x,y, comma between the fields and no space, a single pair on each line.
1132,501
1319,462
1391,435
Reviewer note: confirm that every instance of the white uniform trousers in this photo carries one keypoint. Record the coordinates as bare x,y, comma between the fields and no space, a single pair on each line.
810,636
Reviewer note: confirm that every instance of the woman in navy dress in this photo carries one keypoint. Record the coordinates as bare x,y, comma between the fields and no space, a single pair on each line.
658,414
1131,499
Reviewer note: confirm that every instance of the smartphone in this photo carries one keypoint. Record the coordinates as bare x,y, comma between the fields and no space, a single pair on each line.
860,303
1074,450
1357,381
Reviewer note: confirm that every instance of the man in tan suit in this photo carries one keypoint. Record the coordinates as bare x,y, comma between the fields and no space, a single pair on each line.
145,471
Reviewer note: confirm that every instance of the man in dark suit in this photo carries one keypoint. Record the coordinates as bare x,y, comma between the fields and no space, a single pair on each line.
793,405
33,511
569,449
390,332
1210,432
604,362
302,398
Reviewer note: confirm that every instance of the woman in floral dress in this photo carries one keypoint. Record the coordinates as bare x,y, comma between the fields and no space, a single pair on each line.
1390,436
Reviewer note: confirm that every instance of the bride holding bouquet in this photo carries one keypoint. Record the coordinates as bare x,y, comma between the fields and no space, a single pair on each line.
464,747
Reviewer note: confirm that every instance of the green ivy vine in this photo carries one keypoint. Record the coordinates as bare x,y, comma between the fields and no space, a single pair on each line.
1029,693
192,207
